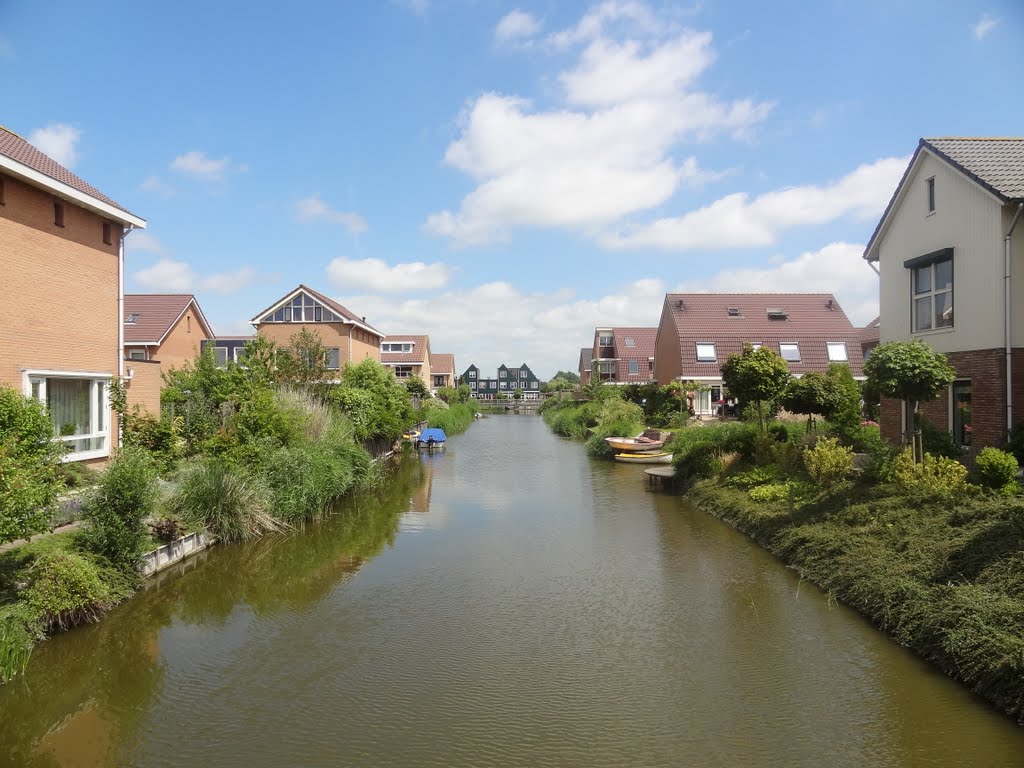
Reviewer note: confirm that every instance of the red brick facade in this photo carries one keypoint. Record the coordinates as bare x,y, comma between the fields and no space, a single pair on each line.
986,371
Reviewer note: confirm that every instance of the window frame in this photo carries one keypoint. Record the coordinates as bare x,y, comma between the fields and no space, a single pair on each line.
931,261
634,367
36,383
960,428
705,358
795,345
605,340
837,344
930,187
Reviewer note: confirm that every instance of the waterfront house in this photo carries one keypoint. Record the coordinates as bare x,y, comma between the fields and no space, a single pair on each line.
442,370
698,332
952,237
62,262
347,337
623,355
407,355
504,384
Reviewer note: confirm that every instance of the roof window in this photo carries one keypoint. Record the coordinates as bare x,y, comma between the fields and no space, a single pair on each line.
776,313
734,312
132,319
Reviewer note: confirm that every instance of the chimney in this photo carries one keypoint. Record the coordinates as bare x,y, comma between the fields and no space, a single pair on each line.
364,318
828,304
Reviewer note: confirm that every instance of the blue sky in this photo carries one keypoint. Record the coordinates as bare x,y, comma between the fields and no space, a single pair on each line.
503,176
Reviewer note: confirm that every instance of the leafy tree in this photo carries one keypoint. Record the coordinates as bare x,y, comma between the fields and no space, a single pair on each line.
910,371
834,395
417,387
559,385
570,376
518,393
756,376
387,412
304,363
29,466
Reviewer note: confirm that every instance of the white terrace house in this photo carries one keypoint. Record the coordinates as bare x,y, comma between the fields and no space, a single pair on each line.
950,253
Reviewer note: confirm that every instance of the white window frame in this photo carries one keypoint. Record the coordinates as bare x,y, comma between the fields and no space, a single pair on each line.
534,385
837,352
134,354
795,345
634,367
705,357
34,385
217,357
605,340
629,341
472,374
502,374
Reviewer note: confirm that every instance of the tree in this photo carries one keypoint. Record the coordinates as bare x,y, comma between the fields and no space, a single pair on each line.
834,395
417,387
910,371
29,466
756,376
304,363
572,378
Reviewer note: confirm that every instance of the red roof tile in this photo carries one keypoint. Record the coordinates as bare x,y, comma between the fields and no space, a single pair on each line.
420,349
16,148
155,315
810,319
442,362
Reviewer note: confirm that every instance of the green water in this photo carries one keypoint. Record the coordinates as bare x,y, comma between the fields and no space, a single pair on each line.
506,603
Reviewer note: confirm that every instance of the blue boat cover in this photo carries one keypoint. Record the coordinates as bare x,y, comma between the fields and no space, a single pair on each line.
433,432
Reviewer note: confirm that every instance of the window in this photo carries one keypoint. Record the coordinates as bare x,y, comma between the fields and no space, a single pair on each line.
931,195
706,352
107,238
634,367
221,355
629,341
502,374
606,366
790,351
733,311
932,286
604,340
239,352
504,385
396,346
472,374
137,354
472,386
403,371
58,214
534,385
79,409
837,352
522,374
302,309
332,358
962,412
133,318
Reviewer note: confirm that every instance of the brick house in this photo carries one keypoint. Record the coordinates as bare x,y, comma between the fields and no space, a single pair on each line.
952,235
698,332
585,366
62,261
407,355
442,370
347,337
165,327
623,355
227,348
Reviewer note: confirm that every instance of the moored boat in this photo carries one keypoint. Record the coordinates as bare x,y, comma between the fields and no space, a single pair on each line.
432,439
634,443
663,457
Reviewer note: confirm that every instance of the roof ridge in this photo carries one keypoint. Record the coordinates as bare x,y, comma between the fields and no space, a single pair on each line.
974,138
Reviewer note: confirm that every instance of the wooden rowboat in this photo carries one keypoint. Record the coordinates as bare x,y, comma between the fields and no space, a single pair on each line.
634,443
645,458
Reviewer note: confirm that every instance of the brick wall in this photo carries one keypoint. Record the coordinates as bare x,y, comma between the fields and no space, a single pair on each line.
184,341
144,387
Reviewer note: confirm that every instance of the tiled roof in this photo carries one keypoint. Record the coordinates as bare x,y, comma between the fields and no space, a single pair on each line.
871,333
586,357
996,163
420,349
442,362
811,320
16,148
156,314
335,307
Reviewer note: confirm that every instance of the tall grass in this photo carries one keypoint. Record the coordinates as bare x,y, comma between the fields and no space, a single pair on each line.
231,503
19,630
453,420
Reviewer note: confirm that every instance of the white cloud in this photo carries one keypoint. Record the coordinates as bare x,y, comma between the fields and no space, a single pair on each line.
198,165
376,275
140,240
838,268
157,186
737,221
59,141
611,150
548,332
516,27
313,208
167,275
983,26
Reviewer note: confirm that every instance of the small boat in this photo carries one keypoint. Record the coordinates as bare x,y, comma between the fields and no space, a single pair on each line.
634,443
412,434
431,439
662,457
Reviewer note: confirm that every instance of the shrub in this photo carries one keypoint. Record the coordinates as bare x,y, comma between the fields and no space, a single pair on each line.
938,441
231,503
935,478
167,529
828,463
794,492
29,466
115,511
65,589
754,477
19,630
996,469
453,418
1015,442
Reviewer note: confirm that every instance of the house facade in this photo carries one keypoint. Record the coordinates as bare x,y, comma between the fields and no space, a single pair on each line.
168,328
586,361
623,355
407,355
61,254
504,384
442,370
347,337
949,250
699,331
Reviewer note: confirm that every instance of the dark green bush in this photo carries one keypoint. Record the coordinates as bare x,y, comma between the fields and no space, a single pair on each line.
65,589
939,442
115,512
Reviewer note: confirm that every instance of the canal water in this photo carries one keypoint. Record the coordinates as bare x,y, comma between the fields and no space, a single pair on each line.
509,602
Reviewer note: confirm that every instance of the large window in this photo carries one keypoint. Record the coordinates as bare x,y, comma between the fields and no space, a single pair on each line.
332,358
79,409
932,286
396,346
221,354
302,309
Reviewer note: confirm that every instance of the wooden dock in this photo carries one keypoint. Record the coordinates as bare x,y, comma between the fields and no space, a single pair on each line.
661,475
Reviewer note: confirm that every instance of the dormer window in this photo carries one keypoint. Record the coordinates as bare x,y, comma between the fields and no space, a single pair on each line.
396,346
132,319
302,309
604,340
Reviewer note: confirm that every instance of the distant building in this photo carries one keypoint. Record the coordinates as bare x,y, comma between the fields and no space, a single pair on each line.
622,355
504,384
407,355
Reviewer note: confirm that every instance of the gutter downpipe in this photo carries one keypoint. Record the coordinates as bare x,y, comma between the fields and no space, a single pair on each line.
120,317
1006,317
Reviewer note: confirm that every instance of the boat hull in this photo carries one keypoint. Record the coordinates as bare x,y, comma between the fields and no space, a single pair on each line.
633,444
644,458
